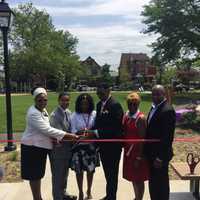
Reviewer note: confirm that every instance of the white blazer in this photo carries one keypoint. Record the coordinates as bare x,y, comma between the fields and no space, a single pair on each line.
38,131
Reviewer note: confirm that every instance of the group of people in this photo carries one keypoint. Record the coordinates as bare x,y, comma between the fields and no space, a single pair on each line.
62,135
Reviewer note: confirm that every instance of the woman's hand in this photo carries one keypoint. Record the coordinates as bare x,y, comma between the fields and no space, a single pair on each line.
89,135
69,136
80,132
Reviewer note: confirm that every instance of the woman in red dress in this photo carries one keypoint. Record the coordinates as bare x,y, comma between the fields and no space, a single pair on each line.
135,167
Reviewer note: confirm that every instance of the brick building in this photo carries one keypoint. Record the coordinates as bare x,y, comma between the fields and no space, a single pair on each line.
138,68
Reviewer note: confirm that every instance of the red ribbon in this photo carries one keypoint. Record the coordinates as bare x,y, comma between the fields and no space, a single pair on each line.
192,139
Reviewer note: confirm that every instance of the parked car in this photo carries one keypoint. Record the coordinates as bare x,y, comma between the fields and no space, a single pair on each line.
82,88
181,87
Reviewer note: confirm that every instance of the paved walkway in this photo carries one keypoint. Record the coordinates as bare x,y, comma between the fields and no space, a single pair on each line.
21,191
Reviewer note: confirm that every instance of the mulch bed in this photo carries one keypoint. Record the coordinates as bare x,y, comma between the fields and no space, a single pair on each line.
181,149
10,162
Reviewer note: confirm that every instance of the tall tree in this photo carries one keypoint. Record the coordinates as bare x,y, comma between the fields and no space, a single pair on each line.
105,75
39,50
177,24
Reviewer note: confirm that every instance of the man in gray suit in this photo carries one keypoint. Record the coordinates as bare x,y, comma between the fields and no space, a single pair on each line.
61,153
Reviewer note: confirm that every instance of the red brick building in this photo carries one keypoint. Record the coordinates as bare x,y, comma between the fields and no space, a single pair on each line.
138,67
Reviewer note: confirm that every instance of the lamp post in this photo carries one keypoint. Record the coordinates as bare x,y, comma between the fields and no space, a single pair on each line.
5,19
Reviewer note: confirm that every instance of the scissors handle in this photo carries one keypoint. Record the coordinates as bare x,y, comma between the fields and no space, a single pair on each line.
190,158
192,161
196,159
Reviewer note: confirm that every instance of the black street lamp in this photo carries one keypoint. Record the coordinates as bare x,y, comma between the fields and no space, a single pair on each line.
5,21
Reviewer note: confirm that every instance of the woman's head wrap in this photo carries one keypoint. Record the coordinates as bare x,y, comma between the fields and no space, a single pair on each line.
38,91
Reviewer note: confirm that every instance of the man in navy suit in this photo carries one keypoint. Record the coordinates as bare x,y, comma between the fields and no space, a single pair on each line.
109,126
161,124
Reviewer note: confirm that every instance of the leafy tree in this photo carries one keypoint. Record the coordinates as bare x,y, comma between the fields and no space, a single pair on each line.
196,64
156,60
40,51
169,74
177,24
105,75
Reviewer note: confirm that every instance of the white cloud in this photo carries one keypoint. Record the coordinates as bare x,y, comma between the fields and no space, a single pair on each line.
117,29
109,7
106,44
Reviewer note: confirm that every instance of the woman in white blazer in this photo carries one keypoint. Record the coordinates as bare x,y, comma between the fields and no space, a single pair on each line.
36,142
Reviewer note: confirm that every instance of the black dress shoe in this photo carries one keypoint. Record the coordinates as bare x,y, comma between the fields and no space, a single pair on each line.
69,197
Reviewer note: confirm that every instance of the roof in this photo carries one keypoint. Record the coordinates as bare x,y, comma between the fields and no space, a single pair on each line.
135,56
90,61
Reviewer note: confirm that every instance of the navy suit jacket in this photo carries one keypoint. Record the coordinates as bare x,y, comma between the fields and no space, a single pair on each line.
161,126
109,122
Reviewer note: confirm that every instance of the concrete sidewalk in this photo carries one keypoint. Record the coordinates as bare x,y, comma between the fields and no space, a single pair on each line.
21,191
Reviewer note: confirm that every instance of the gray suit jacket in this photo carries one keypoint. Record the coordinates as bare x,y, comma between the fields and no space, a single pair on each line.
58,120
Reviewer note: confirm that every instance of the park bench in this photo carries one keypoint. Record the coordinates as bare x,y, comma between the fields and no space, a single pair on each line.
183,171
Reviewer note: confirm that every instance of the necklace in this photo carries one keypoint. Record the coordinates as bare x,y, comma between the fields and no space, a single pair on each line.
86,119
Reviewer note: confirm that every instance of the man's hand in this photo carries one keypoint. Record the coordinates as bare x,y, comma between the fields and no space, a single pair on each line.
87,134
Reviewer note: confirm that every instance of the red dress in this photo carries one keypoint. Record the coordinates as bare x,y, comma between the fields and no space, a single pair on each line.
131,151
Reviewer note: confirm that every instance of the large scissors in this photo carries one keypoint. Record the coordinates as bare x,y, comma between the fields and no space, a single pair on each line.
192,161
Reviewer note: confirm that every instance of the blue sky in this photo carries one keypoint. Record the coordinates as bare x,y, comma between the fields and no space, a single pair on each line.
105,28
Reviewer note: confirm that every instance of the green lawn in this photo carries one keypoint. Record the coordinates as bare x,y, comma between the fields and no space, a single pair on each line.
21,103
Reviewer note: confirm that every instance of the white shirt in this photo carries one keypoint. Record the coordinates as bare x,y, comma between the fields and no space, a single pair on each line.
103,103
153,110
38,131
81,121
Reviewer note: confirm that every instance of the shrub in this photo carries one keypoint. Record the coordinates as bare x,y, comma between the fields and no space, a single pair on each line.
191,120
